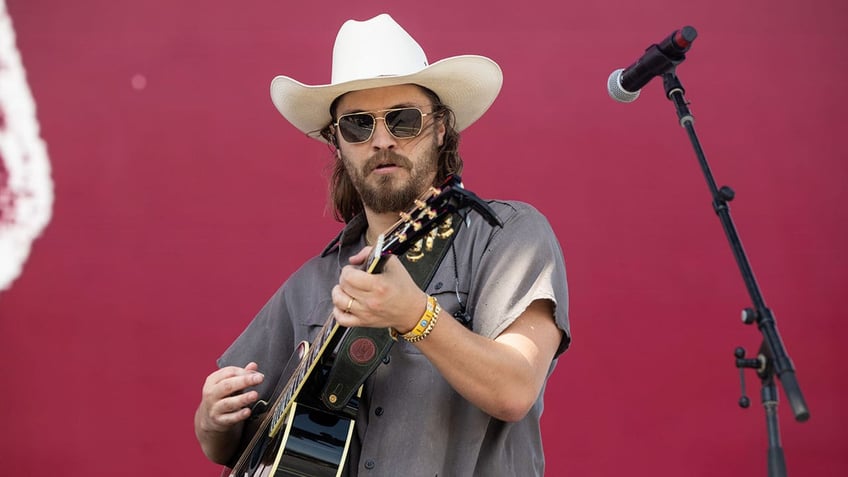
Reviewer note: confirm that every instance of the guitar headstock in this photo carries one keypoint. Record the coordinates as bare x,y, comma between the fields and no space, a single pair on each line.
428,212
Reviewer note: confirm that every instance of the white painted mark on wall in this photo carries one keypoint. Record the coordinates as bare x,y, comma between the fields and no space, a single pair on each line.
26,189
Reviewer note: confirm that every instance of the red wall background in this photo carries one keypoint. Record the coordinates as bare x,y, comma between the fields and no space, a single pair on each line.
181,206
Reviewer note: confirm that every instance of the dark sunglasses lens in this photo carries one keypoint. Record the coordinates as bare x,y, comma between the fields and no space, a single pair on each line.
356,127
404,123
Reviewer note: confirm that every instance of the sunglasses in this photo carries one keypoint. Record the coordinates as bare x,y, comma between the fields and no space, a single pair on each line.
402,123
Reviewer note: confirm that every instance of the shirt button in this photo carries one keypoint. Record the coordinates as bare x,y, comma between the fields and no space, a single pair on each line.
378,411
369,464
387,359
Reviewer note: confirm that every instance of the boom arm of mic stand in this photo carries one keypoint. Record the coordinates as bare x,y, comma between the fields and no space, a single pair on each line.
764,318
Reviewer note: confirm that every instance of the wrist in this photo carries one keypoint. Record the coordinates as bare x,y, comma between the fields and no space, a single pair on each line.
424,325
405,329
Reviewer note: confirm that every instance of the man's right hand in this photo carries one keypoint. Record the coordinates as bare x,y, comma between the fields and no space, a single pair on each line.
223,408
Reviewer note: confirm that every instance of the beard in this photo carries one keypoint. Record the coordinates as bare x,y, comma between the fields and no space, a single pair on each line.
383,194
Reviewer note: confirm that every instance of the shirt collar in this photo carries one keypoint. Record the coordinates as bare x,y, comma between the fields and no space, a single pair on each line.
351,233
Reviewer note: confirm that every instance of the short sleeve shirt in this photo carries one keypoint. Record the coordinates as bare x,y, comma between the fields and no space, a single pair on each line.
410,419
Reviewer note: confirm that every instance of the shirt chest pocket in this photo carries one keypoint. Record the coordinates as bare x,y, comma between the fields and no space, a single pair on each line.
452,295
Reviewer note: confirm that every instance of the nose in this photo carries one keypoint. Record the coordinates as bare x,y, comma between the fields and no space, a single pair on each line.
381,138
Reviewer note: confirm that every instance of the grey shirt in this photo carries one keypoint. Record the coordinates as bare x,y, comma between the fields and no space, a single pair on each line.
411,422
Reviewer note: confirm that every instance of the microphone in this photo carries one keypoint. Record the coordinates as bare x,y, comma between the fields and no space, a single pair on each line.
624,84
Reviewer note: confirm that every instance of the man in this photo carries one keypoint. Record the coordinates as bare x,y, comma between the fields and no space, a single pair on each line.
460,393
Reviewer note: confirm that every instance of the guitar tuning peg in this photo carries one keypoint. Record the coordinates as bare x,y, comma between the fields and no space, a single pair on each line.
429,241
445,229
416,252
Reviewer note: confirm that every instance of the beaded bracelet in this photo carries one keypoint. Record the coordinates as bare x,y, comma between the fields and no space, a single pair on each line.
425,323
417,338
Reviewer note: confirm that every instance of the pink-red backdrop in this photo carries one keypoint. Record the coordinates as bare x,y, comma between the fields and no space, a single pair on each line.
184,200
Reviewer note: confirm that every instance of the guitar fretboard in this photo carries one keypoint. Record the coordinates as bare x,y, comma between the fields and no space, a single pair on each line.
303,371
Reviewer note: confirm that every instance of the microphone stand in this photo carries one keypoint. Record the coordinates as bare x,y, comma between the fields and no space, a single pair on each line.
772,358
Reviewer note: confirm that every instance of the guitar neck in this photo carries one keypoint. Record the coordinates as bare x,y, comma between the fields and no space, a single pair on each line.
377,259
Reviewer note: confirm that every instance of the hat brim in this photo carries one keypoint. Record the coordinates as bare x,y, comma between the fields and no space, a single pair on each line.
468,84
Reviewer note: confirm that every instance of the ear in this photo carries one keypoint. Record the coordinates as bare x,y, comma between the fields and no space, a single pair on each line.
440,133
330,135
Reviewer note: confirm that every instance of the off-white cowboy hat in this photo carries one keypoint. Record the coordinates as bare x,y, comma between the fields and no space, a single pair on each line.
379,52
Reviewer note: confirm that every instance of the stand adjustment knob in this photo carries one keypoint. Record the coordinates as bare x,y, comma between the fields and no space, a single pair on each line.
742,363
749,316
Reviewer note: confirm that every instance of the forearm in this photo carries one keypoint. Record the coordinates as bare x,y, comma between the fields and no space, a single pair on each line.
503,377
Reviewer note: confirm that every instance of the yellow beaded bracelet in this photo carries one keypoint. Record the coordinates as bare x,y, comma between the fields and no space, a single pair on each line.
425,323
426,333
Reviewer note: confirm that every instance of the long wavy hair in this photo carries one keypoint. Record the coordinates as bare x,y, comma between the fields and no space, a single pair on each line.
344,196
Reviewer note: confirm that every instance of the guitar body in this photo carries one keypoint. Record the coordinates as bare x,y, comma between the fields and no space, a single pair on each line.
314,443
308,440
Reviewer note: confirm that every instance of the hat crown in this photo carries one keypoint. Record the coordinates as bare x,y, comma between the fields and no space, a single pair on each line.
375,48
378,53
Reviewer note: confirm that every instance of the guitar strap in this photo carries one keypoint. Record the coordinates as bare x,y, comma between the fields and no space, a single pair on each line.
363,349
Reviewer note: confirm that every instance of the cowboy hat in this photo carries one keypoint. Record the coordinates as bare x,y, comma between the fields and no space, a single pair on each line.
378,52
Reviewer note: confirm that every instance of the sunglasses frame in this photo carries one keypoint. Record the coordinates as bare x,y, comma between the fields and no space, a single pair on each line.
374,117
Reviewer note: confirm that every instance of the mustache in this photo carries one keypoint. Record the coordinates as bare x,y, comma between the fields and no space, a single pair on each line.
384,158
